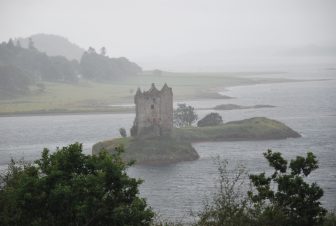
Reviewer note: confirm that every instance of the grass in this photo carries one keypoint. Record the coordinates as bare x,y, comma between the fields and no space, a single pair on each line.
156,150
178,147
88,96
258,128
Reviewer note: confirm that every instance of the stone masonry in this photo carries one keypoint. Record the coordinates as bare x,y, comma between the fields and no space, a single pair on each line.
154,112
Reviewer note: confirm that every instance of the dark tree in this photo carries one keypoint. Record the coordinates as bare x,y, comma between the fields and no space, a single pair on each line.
103,51
122,132
70,188
18,44
31,44
21,67
212,119
10,43
103,68
91,50
294,202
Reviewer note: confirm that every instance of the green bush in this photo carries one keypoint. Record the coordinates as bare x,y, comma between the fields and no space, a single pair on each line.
123,132
229,206
69,188
330,219
212,119
294,202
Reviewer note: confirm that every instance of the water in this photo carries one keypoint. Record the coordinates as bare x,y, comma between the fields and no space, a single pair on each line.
173,190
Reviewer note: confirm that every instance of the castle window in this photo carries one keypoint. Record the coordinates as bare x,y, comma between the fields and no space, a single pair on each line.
153,100
152,106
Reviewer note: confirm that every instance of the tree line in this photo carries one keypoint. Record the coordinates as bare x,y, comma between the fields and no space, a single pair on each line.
21,68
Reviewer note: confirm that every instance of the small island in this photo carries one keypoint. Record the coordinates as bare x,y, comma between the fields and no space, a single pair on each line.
177,147
154,140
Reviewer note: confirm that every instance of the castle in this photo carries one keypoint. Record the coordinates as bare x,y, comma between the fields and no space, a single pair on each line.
154,112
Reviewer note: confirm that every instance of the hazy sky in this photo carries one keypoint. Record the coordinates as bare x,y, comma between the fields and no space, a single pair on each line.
136,28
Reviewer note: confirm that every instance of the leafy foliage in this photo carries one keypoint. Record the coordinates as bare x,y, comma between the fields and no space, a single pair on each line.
100,67
212,119
294,201
13,81
70,188
123,132
229,205
283,198
20,68
24,67
184,115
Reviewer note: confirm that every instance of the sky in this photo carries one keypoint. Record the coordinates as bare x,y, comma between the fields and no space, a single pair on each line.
164,29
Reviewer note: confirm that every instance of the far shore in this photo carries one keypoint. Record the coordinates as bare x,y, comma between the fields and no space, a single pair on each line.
95,98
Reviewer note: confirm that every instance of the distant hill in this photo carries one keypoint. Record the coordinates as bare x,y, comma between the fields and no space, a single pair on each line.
54,45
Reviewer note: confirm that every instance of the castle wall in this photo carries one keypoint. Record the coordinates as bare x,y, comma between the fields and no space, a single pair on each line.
166,106
154,111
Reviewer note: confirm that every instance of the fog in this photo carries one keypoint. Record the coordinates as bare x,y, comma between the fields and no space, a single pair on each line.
176,84
188,35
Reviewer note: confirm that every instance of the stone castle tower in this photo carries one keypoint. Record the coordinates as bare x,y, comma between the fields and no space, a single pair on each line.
154,112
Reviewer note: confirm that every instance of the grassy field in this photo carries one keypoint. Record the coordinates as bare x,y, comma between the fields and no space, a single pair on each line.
87,96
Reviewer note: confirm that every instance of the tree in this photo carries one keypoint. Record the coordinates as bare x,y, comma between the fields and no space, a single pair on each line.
31,44
122,132
103,51
103,68
91,50
184,115
229,204
212,119
10,43
18,44
70,188
283,198
294,202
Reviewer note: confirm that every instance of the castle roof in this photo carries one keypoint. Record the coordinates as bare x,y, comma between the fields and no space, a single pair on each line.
153,91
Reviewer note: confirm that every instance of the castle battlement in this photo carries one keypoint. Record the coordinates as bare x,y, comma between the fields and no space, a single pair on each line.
154,112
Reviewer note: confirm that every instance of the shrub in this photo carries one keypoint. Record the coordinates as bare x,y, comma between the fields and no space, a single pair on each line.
294,202
230,204
70,188
122,132
212,119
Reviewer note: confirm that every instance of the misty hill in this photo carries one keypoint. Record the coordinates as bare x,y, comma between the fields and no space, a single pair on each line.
54,45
